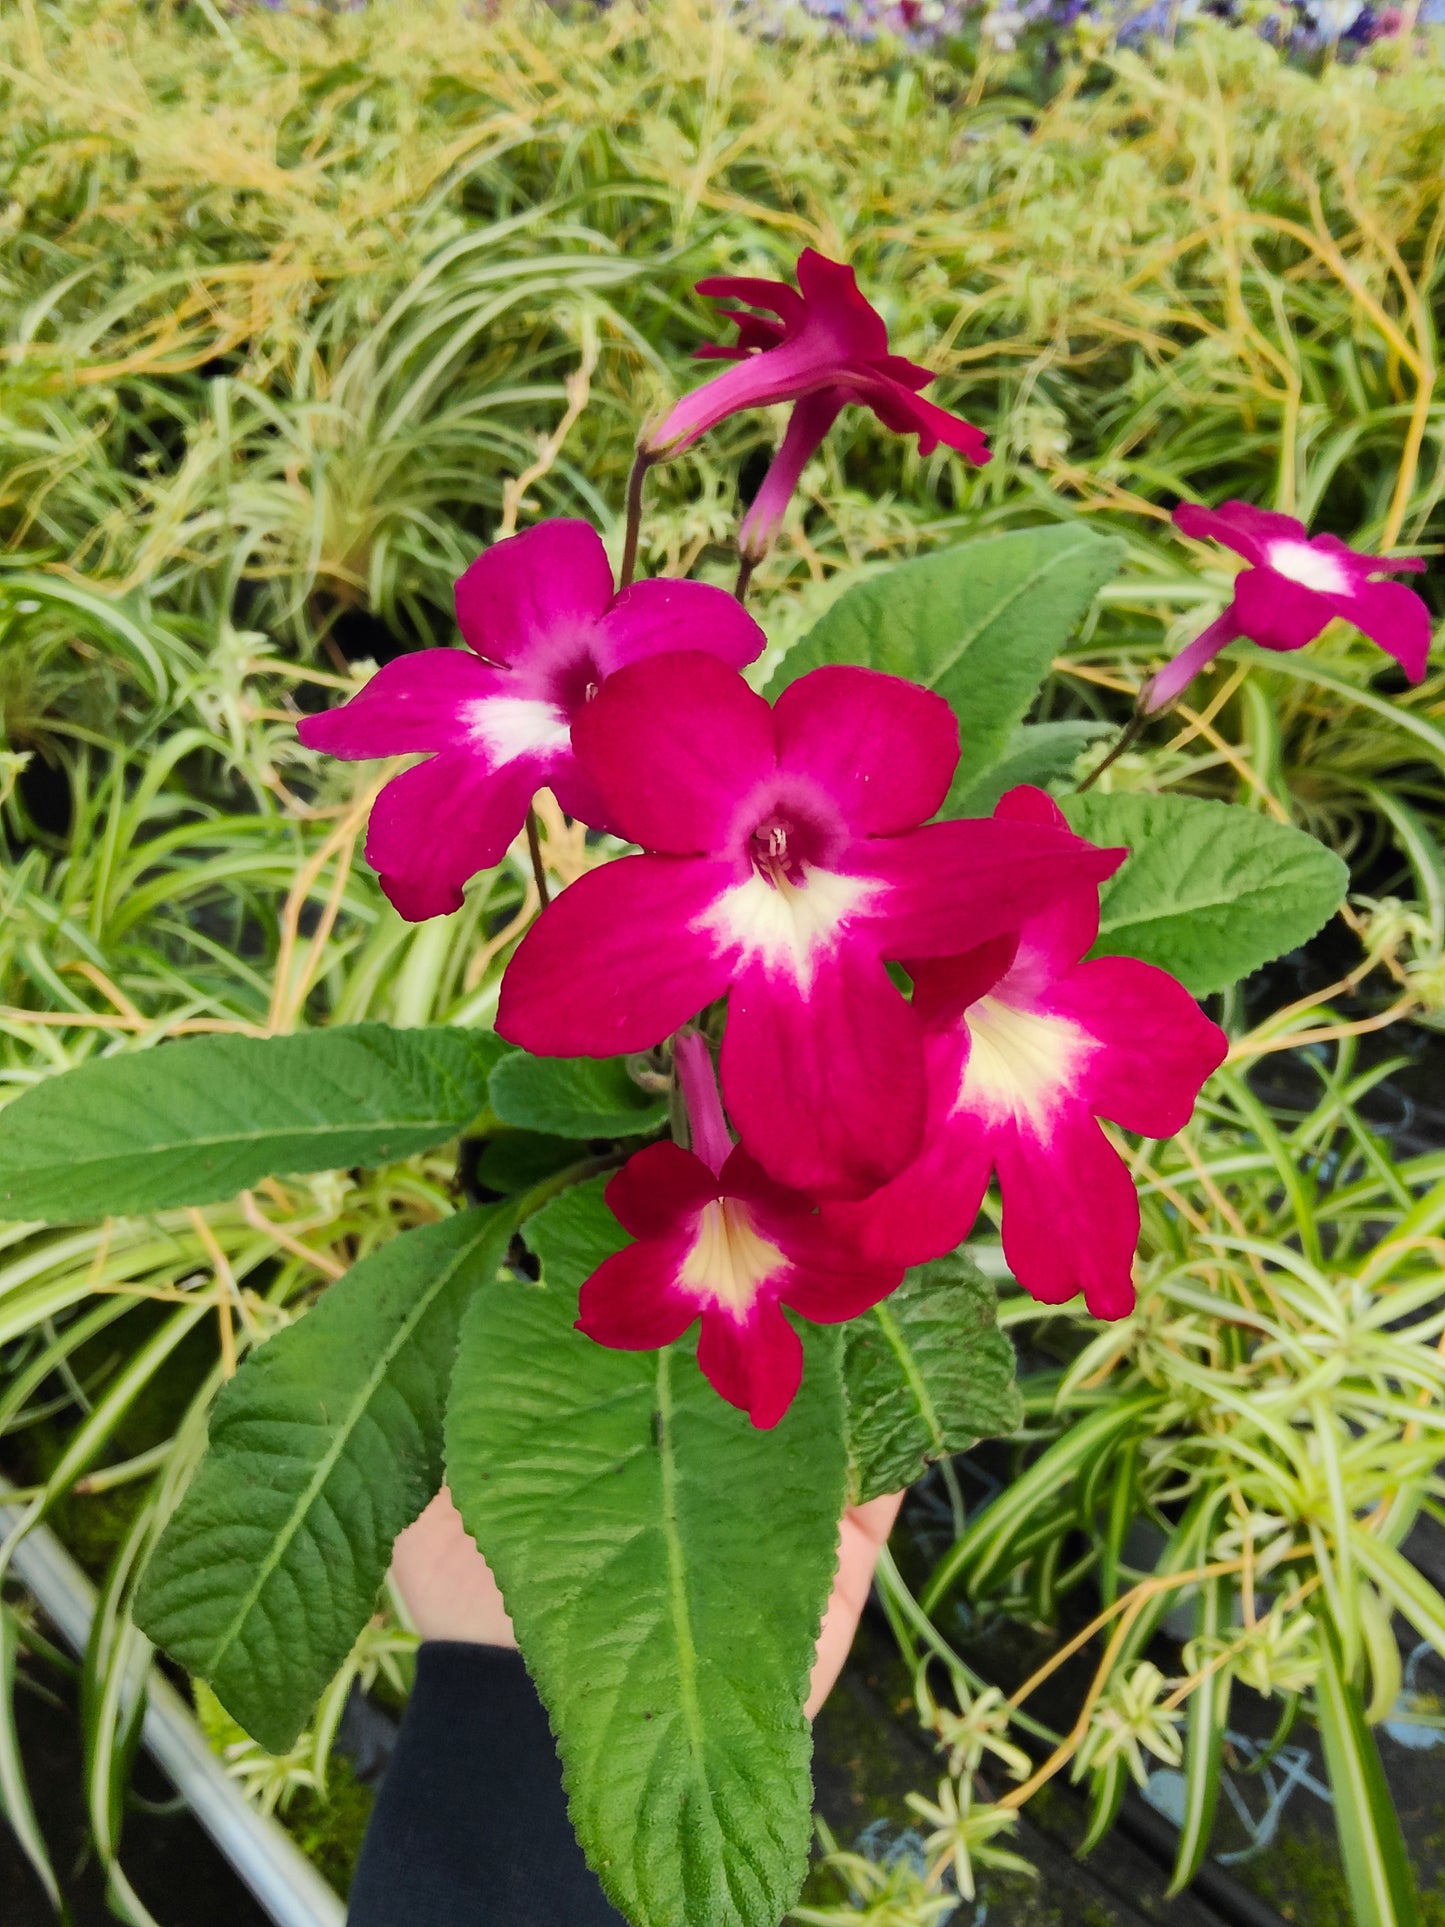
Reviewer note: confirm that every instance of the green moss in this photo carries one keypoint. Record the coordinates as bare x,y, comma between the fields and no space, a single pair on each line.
93,1525
1303,1880
329,1828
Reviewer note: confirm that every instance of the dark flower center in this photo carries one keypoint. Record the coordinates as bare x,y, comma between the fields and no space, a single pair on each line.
784,845
576,683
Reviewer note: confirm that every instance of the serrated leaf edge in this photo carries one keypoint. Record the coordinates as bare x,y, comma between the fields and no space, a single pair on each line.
366,1392
1024,586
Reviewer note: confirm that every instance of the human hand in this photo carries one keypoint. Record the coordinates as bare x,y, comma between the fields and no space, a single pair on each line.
862,1536
450,1593
446,1584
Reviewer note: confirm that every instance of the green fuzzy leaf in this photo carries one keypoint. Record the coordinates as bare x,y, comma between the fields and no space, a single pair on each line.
516,1160
573,1234
200,1119
666,1567
1038,753
926,1373
1211,891
577,1097
980,624
325,1444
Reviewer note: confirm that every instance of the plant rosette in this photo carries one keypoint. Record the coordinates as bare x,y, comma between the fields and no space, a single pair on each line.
862,992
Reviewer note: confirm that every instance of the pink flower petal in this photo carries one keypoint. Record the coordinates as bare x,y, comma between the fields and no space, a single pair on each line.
1054,940
756,1365
534,591
435,826
1027,803
1159,1047
632,1302
578,795
944,987
882,749
660,1190
425,701
828,337
813,415
674,744
838,1287
1175,677
773,1205
1394,617
836,302
612,964
1239,526
908,374
776,296
909,414
951,886
930,1207
754,333
1354,561
824,1079
1277,613
1070,1213
659,616
784,373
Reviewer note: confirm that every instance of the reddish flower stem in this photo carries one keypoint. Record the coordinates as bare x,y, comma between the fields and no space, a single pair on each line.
534,850
1128,735
642,461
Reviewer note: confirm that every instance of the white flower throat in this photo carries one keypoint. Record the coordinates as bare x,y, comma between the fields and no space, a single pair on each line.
513,726
1311,568
1020,1062
729,1258
788,911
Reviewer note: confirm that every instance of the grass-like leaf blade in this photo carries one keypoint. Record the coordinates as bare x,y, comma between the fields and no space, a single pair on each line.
1372,1845
1203,1741
16,1806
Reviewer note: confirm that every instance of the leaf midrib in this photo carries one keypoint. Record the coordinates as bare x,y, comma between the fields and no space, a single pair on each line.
914,1378
676,1571
327,1463
351,1128
971,636
1183,907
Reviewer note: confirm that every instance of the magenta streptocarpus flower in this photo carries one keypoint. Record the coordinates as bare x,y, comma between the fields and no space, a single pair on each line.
545,631
1027,1049
718,1240
1295,584
827,347
782,864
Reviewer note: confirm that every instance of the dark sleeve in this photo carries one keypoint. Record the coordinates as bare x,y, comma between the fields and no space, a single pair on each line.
470,1827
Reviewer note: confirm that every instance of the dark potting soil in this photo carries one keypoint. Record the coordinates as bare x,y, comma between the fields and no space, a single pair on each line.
170,1861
